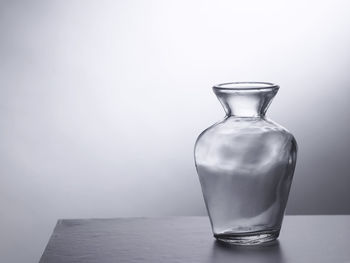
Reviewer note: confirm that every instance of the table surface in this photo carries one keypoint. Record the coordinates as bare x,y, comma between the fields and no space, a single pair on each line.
189,239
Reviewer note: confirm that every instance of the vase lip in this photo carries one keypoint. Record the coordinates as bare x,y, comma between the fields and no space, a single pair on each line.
246,85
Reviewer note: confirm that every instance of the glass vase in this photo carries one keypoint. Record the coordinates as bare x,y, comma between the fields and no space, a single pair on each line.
245,165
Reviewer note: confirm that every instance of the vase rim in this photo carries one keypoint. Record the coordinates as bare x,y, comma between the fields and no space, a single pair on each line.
246,85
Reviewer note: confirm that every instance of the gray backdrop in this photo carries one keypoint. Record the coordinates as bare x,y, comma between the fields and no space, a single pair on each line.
101,103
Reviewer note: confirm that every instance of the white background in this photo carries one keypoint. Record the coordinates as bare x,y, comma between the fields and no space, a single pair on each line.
101,103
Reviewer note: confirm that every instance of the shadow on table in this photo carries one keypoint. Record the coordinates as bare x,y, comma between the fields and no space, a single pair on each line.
267,253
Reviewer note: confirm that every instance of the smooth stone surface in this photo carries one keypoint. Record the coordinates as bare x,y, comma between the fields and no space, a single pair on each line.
189,239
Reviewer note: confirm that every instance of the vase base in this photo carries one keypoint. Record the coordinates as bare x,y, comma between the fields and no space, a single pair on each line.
253,238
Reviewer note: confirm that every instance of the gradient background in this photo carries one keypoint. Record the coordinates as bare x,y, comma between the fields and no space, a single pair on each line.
101,103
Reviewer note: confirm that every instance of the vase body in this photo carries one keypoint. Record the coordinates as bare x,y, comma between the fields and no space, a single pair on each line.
245,165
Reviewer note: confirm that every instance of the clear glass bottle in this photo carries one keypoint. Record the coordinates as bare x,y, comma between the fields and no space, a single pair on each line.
245,164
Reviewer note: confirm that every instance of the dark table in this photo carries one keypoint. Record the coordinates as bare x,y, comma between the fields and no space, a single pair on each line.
189,239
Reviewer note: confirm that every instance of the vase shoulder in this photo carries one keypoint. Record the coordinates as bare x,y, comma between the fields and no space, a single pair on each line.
251,135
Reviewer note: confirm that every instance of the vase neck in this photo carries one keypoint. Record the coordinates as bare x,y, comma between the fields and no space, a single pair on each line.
245,99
